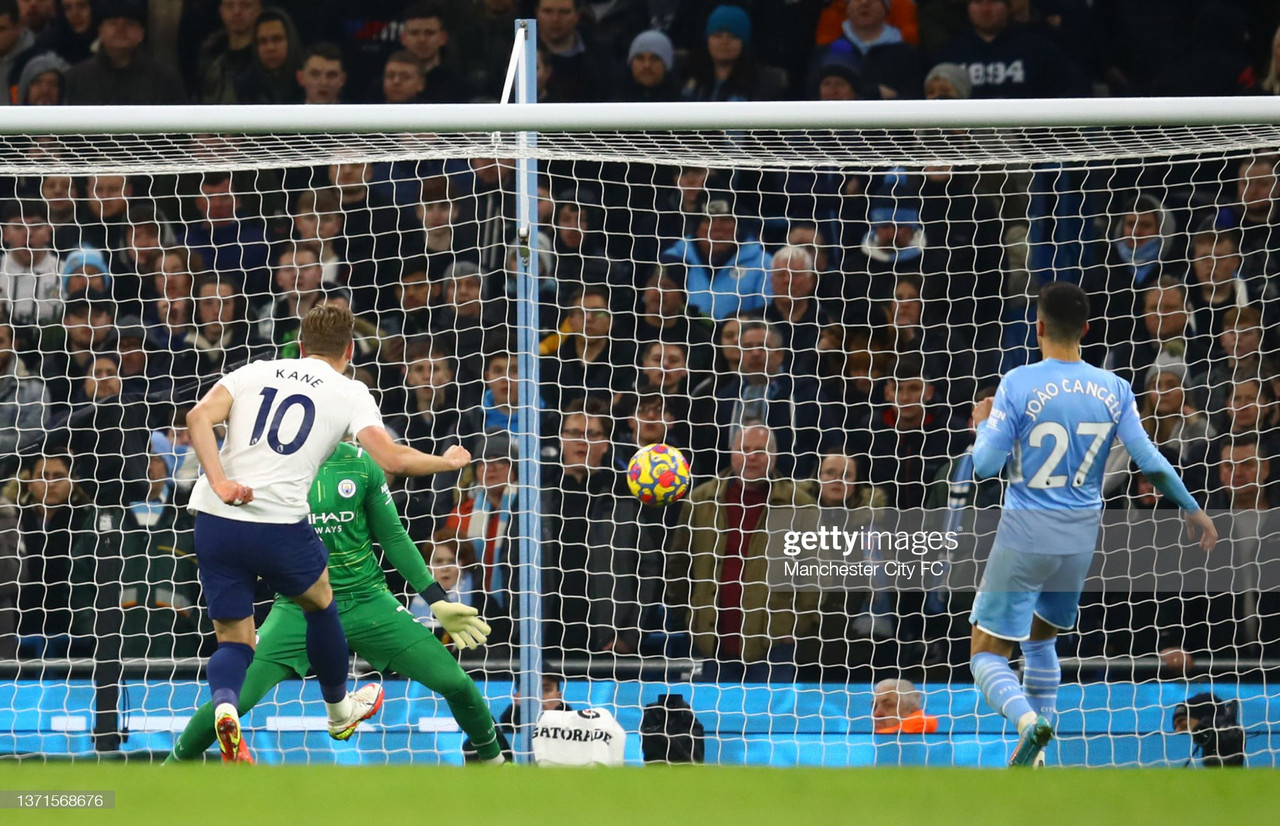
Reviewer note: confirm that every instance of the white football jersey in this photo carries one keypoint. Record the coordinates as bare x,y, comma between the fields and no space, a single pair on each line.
287,416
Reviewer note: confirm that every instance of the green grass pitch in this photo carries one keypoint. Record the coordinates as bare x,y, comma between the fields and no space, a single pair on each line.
653,796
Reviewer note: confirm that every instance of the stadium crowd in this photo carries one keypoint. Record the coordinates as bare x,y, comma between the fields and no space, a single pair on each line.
811,336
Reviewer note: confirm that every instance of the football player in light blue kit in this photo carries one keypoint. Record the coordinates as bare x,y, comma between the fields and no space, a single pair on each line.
1051,424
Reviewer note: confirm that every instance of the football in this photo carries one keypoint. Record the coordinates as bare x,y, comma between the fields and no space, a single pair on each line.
658,475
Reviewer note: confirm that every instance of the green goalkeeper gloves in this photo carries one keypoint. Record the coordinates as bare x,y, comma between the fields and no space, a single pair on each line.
462,623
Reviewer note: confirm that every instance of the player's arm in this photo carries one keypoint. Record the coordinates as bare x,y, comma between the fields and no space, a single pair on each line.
461,621
994,419
403,460
213,410
1162,474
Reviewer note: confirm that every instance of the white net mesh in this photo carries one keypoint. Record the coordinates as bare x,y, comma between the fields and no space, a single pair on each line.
852,291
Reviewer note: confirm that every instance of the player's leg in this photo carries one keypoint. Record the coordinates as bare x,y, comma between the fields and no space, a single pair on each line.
421,657
228,590
1041,671
199,732
299,571
1002,614
281,654
1056,610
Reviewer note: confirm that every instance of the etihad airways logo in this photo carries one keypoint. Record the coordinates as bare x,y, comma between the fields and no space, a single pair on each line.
330,521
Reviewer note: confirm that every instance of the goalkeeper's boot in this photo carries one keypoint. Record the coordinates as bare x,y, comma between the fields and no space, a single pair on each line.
365,702
231,742
1031,742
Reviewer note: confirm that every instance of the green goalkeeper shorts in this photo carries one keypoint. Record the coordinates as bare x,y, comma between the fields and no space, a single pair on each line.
378,628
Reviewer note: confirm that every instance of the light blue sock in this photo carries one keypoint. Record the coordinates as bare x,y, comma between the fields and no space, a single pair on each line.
1041,676
999,685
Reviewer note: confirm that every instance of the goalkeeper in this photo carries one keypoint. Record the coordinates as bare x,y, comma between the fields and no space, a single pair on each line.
350,506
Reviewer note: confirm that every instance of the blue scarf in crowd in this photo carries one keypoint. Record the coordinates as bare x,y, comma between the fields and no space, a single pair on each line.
1143,261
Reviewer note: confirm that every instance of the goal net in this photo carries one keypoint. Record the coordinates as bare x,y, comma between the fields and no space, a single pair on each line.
805,301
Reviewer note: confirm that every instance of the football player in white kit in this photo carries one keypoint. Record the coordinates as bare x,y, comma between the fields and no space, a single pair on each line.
284,417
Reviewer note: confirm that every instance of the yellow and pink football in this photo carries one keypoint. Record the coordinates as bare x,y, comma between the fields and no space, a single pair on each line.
658,475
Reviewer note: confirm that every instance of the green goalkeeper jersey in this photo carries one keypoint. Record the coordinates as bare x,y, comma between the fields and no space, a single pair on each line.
351,506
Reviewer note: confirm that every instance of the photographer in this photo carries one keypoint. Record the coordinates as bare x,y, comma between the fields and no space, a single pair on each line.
1217,734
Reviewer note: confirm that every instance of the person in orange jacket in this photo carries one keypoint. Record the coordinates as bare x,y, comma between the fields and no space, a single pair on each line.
898,708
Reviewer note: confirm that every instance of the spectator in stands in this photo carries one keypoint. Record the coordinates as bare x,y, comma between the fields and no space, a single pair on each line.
651,70
1139,245
895,244
15,38
109,437
272,76
67,350
579,67
1256,216
437,210
838,79
322,74
592,363
906,331
897,707
750,629
483,517
53,512
1244,473
227,54
131,346
415,294
1174,425
489,39
664,368
123,72
724,274
107,214
724,68
947,81
231,243
374,230
909,438
23,406
299,283
140,560
488,213
887,65
58,194
1216,284
433,418
840,484
71,34
43,80
498,400
652,422
317,217
29,269
426,35
663,315
1010,60
1239,356
466,322
403,80
580,258
1270,83
682,205
762,390
1249,409
1161,339
223,339
794,310
590,540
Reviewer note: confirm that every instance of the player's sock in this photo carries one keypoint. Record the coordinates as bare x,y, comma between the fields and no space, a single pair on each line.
327,651
226,671
1041,676
999,685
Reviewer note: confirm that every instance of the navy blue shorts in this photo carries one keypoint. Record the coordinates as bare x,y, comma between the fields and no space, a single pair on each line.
232,555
